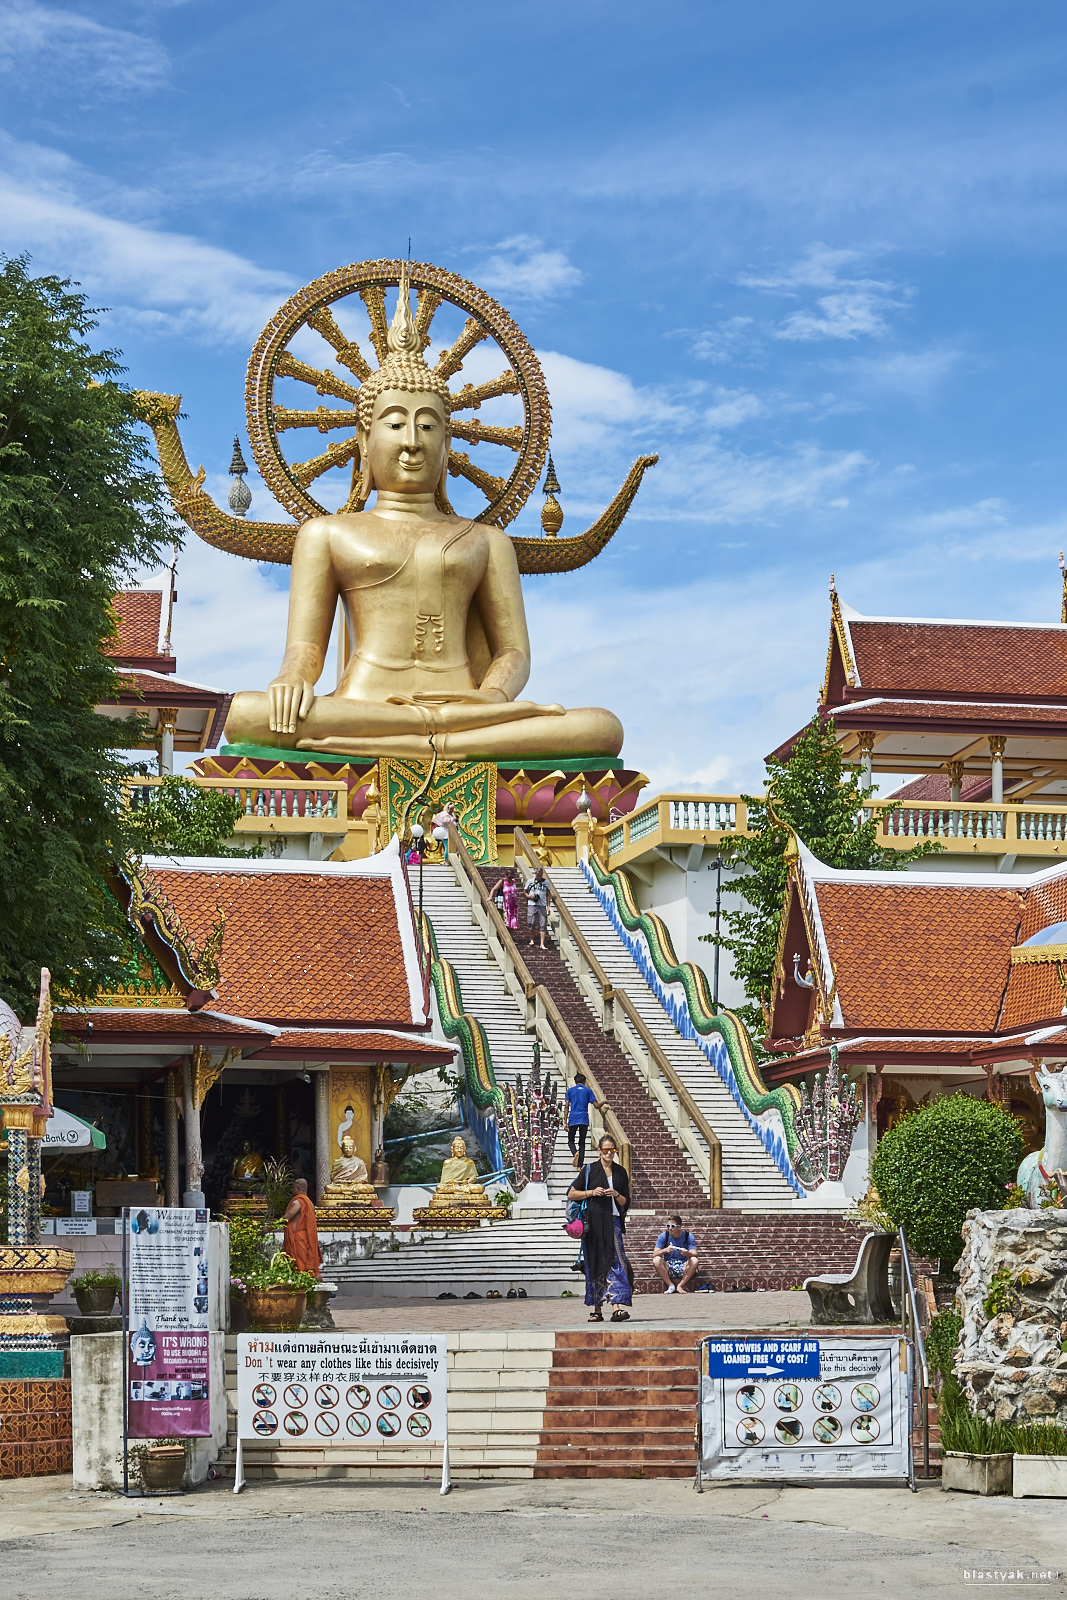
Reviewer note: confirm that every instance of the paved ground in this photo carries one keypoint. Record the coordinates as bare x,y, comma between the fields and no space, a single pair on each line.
612,1540
367,1312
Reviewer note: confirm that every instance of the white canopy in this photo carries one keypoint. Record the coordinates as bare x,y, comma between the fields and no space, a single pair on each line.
64,1131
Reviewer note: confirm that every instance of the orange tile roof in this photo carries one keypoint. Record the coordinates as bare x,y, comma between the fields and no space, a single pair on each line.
370,1046
989,712
138,612
299,947
918,957
179,1026
957,658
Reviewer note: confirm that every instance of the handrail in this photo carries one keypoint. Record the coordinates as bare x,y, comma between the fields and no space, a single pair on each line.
542,1014
907,1300
609,998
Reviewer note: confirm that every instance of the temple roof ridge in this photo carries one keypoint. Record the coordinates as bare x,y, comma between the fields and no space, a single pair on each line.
849,614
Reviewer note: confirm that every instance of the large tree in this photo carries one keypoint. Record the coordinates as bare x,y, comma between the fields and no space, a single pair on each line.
820,798
179,818
81,508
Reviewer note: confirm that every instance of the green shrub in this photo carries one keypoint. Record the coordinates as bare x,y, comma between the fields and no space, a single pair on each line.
247,1254
104,1278
975,1436
941,1341
939,1163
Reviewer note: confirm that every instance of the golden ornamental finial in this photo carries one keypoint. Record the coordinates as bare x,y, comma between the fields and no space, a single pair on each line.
403,335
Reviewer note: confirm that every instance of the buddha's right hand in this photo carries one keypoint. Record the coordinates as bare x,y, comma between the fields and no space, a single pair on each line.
289,699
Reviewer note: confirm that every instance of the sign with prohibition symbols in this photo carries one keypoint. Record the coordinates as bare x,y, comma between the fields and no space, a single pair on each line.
341,1390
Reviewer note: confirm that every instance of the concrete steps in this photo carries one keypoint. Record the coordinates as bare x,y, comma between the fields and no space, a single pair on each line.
750,1179
528,1252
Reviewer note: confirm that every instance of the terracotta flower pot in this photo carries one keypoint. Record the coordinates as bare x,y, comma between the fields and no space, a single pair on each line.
96,1301
275,1310
163,1467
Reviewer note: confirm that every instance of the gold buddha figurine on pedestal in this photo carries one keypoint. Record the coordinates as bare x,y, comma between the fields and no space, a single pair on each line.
459,1201
349,1198
247,1192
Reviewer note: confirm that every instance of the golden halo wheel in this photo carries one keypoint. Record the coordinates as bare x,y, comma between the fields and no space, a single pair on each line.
310,308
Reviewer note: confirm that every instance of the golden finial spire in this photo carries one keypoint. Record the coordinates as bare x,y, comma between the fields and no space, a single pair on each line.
403,334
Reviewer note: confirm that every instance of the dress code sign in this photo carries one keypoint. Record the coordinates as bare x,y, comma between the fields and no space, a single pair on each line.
804,1408
341,1389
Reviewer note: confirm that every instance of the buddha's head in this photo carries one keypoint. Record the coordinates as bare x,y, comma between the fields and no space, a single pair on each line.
459,1148
348,1147
403,416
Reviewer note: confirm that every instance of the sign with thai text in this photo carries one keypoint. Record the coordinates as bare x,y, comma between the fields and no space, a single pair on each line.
168,1349
840,1410
342,1389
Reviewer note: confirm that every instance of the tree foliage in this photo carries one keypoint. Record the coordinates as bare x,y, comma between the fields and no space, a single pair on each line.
182,819
939,1163
819,797
81,509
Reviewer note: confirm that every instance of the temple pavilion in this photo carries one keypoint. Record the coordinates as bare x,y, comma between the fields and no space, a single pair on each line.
974,712
284,1001
926,983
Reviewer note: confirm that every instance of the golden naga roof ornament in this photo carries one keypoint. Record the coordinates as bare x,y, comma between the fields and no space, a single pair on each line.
349,376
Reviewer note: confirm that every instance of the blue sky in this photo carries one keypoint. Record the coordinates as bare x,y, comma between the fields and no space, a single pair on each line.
814,255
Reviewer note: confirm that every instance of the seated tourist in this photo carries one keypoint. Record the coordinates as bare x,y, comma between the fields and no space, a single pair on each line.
674,1259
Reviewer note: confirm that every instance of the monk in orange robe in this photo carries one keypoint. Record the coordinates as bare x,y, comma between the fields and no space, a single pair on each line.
301,1237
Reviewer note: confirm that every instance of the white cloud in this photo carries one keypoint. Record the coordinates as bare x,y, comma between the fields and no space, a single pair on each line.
65,43
728,340
909,372
522,268
732,407
168,281
849,308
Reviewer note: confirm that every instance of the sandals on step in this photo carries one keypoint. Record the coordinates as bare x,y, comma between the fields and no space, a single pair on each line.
620,1315
596,1316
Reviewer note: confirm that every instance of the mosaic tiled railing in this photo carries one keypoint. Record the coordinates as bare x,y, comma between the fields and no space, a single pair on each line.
684,993
483,1095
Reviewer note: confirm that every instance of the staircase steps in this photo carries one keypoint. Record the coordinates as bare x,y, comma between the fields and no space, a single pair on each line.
750,1179
620,1404
528,1252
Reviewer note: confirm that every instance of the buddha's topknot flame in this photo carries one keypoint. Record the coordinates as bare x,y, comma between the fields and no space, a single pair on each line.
403,368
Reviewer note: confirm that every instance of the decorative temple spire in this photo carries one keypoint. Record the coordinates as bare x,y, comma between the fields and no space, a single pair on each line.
1063,601
240,495
552,514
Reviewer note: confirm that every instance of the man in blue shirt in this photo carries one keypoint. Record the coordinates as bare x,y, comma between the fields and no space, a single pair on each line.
579,1098
675,1257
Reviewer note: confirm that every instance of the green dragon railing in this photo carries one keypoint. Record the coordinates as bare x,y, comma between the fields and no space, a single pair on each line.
722,1037
484,1097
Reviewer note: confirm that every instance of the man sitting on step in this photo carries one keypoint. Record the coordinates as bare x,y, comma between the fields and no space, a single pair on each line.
675,1257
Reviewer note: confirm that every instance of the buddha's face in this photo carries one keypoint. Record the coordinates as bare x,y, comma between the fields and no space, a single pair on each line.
408,442
458,1147
348,1147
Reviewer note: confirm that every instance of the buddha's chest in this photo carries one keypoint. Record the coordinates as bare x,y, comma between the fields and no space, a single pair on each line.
434,565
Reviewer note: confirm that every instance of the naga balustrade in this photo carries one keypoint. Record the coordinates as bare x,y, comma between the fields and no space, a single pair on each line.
685,1120
542,1015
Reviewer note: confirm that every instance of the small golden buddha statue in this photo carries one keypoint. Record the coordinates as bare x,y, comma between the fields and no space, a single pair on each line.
349,1197
248,1172
459,1201
247,1193
433,601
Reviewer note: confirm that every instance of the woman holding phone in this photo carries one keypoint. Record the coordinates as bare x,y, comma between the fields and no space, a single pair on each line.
605,1187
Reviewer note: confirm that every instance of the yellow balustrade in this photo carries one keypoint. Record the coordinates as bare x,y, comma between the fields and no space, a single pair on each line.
962,828
268,805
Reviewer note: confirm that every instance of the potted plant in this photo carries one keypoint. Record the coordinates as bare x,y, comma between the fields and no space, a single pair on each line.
247,1257
159,1465
276,1295
95,1291
1040,1461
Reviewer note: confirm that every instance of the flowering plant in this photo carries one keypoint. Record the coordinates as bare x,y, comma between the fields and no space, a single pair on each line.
238,1288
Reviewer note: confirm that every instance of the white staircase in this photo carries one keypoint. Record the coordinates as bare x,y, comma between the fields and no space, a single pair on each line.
528,1252
750,1179
461,942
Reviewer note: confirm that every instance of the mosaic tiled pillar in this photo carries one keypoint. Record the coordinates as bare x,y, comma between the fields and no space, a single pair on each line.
18,1210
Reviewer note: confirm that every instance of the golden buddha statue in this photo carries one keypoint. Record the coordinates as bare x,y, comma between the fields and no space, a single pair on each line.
433,600
459,1201
247,1193
350,1198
